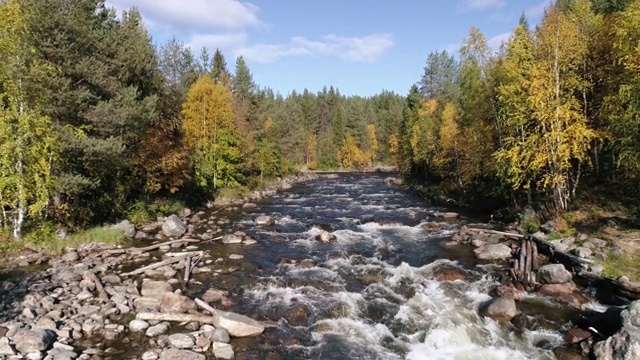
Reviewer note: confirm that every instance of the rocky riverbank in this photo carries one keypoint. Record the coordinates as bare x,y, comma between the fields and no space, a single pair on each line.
610,334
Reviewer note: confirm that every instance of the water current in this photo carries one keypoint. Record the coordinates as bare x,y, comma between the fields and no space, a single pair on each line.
371,294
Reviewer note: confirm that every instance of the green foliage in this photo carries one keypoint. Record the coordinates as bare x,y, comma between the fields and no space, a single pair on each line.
142,212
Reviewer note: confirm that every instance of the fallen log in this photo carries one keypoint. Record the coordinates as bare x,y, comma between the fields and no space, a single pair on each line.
186,253
187,269
157,246
141,270
496,232
89,275
177,317
627,290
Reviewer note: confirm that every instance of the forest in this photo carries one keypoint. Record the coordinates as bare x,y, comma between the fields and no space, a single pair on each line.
553,115
97,122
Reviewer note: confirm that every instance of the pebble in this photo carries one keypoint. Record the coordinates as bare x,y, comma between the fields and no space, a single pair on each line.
236,256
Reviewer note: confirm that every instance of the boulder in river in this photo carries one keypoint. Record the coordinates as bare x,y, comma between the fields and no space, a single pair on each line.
222,351
231,239
173,227
239,325
553,274
326,237
501,309
264,220
493,252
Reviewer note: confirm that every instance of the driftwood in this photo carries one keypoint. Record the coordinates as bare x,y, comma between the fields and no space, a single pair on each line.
141,270
524,267
207,307
496,232
177,317
89,275
627,290
185,253
157,246
187,268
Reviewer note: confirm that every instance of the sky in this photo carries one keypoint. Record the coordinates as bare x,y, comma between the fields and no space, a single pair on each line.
361,47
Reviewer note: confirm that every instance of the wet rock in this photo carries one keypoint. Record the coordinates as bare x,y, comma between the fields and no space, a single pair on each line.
297,315
213,295
563,353
249,206
220,335
576,335
558,289
182,341
155,289
493,252
222,351
508,291
136,325
28,341
236,257
553,274
175,354
173,227
231,239
177,303
249,242
326,237
624,344
158,329
127,227
265,220
501,309
393,181
449,273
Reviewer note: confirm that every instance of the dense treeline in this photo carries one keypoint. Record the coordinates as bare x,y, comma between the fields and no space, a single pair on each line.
556,108
94,118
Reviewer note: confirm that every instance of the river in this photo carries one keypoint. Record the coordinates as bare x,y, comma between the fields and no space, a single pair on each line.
371,294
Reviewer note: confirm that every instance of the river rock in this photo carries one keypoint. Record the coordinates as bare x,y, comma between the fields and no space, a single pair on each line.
136,325
249,206
624,344
265,220
557,289
127,227
393,181
213,295
220,335
222,351
5,348
509,291
553,274
175,354
173,227
493,252
28,341
182,341
231,239
326,237
155,289
158,329
177,303
449,273
501,309
239,325
70,257
582,252
576,335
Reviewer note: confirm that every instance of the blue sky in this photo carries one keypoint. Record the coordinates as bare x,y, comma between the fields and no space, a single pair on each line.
358,46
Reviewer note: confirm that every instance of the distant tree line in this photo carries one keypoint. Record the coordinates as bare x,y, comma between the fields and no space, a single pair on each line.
94,118
558,107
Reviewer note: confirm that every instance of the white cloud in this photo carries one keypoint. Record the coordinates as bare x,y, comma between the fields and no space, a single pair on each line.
481,4
226,14
496,41
356,49
537,10
225,41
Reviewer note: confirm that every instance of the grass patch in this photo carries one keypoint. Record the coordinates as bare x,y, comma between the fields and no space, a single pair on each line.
625,264
233,193
557,235
103,234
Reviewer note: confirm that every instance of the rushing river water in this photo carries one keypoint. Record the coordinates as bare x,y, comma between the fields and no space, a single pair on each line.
372,294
